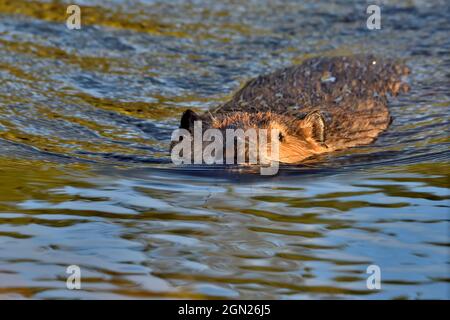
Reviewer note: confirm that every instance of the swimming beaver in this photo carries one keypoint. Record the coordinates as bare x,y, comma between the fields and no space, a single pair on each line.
322,105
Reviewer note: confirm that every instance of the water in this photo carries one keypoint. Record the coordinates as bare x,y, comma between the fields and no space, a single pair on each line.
85,176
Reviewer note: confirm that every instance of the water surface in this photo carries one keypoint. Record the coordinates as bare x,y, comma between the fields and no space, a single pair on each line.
86,179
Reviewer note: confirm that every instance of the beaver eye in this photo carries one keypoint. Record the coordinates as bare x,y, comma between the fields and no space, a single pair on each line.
280,137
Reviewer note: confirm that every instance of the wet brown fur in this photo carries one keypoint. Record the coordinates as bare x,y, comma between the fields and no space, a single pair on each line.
350,93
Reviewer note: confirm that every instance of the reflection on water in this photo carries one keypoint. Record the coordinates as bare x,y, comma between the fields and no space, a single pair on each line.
85,178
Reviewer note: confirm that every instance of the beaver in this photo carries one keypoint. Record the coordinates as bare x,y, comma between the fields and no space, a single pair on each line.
323,105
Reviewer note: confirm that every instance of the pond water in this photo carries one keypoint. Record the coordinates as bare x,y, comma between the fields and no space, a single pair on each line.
86,178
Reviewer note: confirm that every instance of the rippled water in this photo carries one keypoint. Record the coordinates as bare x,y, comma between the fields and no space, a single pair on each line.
85,177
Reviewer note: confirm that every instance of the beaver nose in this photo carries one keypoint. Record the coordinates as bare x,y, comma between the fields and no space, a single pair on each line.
243,151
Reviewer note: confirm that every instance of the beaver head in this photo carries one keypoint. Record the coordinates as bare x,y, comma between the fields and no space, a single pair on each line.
299,138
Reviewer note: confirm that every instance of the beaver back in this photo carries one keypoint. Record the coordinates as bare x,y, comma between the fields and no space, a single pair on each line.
351,92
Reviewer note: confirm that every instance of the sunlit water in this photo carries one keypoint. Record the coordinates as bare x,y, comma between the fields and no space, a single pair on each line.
85,176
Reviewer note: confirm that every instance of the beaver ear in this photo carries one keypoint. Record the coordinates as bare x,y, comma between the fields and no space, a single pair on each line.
314,123
187,120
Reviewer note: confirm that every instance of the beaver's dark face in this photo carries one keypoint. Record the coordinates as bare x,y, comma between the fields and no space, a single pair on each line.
298,139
